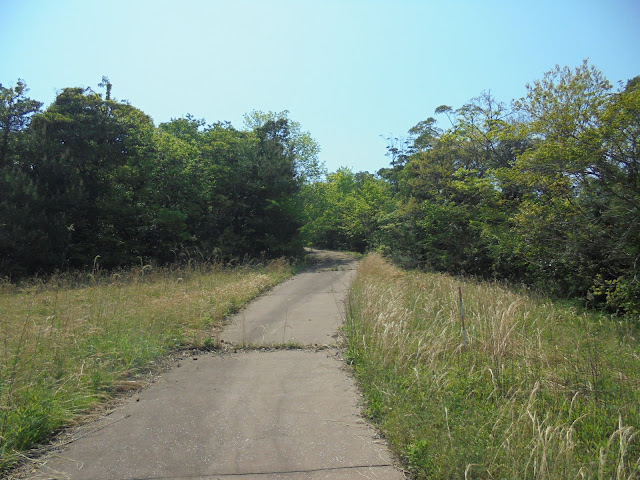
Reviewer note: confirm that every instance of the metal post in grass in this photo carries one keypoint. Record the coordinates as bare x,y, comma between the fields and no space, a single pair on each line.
464,331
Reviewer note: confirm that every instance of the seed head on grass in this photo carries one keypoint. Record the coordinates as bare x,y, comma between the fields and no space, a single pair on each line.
542,391
71,343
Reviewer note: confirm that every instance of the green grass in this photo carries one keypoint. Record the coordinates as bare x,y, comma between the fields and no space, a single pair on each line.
541,391
71,342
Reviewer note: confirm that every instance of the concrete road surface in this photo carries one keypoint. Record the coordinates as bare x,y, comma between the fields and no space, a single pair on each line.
263,415
306,310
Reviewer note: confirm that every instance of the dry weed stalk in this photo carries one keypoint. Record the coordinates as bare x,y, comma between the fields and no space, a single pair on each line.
70,343
518,370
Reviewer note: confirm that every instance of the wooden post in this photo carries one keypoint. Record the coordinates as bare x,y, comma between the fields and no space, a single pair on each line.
464,331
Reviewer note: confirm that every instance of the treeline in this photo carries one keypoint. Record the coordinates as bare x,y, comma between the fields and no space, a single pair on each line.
545,191
92,179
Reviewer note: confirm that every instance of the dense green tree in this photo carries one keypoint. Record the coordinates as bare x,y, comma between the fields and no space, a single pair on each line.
579,222
176,195
546,192
241,187
299,145
450,189
187,129
92,179
345,211
16,111
18,219
615,201
256,203
90,159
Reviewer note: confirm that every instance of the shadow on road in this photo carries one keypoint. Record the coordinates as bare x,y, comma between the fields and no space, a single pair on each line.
322,260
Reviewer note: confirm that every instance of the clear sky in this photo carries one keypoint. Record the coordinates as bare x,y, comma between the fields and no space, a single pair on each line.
349,71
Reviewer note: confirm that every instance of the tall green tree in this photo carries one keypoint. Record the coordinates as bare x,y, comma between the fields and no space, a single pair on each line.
560,171
90,159
299,144
93,178
345,211
450,189
16,110
18,218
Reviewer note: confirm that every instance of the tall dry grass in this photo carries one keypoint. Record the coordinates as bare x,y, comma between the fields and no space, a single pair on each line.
540,391
72,341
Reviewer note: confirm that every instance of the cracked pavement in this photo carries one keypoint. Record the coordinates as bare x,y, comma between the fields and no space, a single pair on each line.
265,415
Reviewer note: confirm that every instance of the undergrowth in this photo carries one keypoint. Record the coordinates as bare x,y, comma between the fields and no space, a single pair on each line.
540,391
72,341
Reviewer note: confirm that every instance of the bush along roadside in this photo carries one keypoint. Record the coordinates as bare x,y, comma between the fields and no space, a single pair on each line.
540,391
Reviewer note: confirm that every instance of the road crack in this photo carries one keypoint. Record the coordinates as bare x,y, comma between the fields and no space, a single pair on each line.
282,472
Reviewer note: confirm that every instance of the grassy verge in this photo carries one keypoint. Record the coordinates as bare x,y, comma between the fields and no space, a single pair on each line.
70,343
541,391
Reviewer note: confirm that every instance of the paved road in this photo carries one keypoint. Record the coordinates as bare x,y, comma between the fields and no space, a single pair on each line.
306,310
254,415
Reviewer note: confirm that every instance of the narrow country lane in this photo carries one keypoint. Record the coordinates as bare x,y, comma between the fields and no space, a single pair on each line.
264,415
306,310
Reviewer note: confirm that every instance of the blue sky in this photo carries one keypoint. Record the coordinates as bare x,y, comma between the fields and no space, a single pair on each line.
349,71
